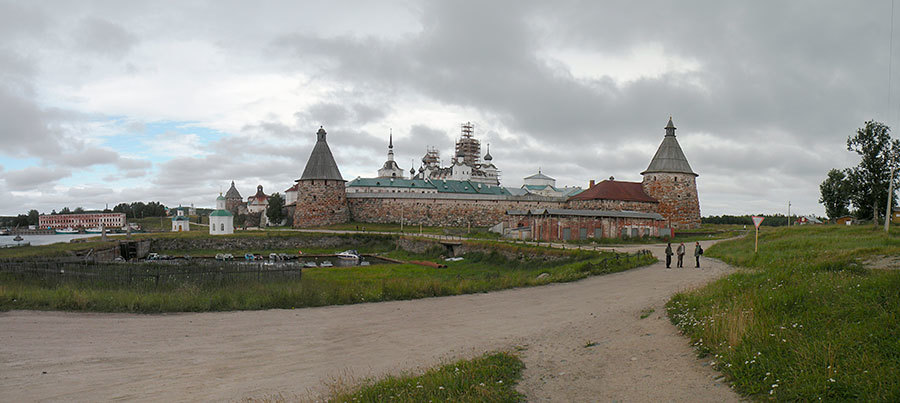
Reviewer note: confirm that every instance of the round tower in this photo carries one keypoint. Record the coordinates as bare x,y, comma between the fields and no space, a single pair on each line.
670,180
321,193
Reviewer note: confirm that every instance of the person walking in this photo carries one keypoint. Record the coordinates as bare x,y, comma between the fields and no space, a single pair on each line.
681,250
669,255
698,250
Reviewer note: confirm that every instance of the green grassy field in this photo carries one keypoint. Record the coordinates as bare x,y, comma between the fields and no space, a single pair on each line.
478,272
805,318
490,378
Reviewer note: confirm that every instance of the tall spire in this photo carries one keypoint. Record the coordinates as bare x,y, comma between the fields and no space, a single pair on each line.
670,128
391,146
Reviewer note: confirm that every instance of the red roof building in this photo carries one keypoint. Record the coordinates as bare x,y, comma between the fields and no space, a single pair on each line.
615,190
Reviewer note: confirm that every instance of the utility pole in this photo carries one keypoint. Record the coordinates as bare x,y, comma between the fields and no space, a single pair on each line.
890,196
789,223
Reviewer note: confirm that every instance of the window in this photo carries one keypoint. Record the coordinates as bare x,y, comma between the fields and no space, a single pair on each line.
222,227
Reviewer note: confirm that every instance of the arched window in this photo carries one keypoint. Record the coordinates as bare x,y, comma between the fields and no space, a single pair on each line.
222,227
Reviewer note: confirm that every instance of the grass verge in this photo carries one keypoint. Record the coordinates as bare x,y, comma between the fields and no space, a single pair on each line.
805,319
490,378
478,272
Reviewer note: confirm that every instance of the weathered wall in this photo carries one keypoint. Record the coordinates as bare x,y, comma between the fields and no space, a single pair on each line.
241,242
438,212
677,195
615,205
554,228
320,202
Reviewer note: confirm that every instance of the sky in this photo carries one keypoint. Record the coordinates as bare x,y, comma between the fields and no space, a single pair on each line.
104,102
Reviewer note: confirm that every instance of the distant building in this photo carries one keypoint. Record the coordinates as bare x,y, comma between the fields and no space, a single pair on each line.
804,220
390,169
180,222
258,202
221,221
570,224
290,195
466,165
895,215
543,185
847,220
233,199
86,220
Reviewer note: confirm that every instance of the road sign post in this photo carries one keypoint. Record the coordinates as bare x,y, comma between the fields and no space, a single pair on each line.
756,222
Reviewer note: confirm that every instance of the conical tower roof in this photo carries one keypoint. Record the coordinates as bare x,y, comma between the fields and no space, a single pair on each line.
233,192
669,158
321,163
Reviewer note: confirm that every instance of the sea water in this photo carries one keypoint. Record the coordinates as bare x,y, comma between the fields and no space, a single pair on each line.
44,239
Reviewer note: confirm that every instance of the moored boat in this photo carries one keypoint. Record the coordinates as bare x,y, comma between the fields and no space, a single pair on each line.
93,231
69,231
351,254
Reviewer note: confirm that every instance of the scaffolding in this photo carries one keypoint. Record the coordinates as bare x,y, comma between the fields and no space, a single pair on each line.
468,149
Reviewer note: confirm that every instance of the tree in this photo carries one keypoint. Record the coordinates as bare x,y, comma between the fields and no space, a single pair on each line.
33,217
65,210
79,210
275,210
835,194
870,179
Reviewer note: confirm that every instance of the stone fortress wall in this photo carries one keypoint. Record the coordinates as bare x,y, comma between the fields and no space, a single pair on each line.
460,210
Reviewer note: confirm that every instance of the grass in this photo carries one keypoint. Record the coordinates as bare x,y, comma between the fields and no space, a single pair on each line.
490,378
805,319
646,312
478,272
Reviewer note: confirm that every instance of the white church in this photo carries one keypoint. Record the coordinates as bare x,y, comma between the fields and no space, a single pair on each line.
221,221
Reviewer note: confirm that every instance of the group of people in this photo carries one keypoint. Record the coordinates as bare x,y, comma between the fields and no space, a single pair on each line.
681,251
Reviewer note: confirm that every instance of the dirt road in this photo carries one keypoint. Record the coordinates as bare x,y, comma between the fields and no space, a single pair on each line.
236,355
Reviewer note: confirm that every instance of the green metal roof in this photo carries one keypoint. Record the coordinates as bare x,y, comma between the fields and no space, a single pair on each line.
180,218
220,213
541,187
391,183
442,186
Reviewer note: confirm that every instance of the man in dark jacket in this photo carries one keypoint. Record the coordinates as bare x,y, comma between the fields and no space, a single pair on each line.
669,255
697,252
681,250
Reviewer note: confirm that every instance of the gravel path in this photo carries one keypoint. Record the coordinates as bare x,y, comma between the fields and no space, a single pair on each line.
238,355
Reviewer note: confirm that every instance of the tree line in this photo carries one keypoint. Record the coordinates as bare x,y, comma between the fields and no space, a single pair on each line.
769,220
132,210
862,191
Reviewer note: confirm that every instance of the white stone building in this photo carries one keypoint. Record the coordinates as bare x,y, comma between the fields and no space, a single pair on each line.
180,222
221,221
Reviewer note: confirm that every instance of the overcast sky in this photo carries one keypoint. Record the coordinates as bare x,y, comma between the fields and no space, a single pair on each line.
119,101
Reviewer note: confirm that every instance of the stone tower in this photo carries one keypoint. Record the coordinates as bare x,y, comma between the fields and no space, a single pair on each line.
670,180
321,196
233,199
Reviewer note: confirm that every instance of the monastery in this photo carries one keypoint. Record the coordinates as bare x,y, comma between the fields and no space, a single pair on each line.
468,192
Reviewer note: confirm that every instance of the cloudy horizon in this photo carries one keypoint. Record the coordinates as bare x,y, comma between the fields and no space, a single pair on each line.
105,102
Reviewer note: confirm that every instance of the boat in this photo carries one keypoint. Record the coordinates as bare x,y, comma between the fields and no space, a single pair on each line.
67,231
18,238
249,257
351,254
93,231
309,264
4,231
326,264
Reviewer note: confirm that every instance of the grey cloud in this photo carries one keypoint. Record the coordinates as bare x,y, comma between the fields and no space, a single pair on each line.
24,129
87,157
33,177
128,164
103,37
